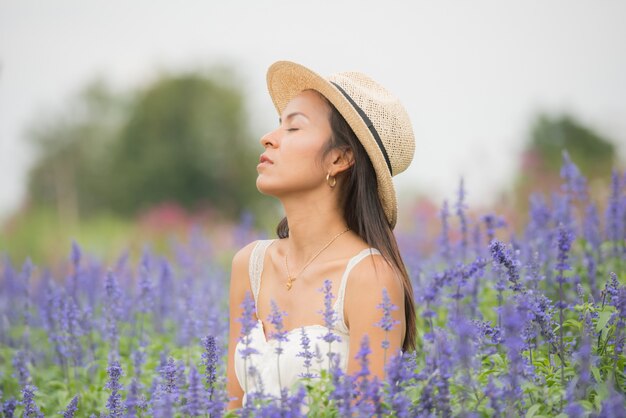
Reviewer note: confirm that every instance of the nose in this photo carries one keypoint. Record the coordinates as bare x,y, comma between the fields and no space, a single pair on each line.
268,140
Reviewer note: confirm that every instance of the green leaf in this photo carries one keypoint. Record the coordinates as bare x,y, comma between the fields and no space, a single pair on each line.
603,318
596,374
573,323
532,410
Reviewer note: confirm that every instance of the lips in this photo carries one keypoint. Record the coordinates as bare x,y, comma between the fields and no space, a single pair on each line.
264,159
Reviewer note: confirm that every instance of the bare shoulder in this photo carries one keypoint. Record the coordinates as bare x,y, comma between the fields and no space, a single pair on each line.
239,270
367,281
241,257
375,272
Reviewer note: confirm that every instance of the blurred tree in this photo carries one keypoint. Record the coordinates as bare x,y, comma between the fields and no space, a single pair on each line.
186,140
183,138
71,150
593,154
542,157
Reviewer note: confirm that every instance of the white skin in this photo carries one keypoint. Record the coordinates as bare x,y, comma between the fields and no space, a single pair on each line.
297,177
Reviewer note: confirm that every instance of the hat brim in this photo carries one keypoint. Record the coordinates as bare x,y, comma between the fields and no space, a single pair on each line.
286,79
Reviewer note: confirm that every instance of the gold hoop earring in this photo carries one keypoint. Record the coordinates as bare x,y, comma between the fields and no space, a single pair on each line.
332,183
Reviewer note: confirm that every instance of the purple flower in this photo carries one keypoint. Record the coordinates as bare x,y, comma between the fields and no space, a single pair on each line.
71,408
614,213
398,374
146,288
279,334
460,208
169,377
575,183
343,390
614,405
564,244
477,241
590,264
209,360
20,368
294,403
329,318
562,212
362,357
195,402
591,227
539,218
444,240
513,323
444,367
276,319
135,401
502,256
610,288
8,407
541,310
28,400
306,353
619,319
166,290
247,324
113,310
246,319
492,222
163,406
114,402
71,329
486,331
574,410
464,339
139,358
387,322
495,395
328,312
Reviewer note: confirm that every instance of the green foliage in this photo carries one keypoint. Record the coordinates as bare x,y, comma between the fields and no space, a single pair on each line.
183,138
186,140
592,152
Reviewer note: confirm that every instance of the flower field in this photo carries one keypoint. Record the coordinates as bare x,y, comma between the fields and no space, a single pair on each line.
530,325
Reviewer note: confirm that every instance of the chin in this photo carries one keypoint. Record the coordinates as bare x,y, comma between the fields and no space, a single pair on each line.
264,188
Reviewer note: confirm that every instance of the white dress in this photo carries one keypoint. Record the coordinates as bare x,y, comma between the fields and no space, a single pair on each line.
262,368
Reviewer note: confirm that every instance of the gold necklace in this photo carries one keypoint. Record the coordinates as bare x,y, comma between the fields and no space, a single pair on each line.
290,278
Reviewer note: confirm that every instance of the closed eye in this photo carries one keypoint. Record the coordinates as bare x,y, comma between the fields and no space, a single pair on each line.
292,129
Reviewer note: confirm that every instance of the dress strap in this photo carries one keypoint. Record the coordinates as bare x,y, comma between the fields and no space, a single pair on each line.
255,267
341,323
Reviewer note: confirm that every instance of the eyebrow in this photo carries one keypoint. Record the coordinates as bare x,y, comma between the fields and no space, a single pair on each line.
292,115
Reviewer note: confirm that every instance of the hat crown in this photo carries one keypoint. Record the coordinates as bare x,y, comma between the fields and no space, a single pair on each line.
387,115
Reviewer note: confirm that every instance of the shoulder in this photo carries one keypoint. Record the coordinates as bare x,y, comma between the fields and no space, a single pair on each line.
239,277
369,278
241,257
374,270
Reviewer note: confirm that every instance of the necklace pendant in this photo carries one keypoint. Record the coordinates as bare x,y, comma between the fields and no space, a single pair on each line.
290,282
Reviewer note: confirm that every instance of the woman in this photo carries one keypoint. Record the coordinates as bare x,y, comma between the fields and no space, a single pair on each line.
330,163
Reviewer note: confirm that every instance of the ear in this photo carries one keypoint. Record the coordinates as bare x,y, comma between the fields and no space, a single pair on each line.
341,160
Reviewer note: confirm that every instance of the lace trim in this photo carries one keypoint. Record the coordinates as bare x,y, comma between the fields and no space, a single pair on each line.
256,268
338,307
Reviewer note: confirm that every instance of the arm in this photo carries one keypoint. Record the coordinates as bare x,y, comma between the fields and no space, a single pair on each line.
239,285
364,293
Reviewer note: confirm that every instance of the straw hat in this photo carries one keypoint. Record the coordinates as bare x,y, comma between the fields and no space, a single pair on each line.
377,118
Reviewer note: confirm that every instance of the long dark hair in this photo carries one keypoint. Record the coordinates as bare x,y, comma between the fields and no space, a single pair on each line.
363,211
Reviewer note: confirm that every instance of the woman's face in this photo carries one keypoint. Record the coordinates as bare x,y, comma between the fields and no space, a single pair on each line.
291,160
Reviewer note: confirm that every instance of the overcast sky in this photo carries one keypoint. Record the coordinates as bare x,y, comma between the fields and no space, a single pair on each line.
470,73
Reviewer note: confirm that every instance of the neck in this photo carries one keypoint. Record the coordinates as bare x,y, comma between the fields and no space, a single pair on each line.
312,224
